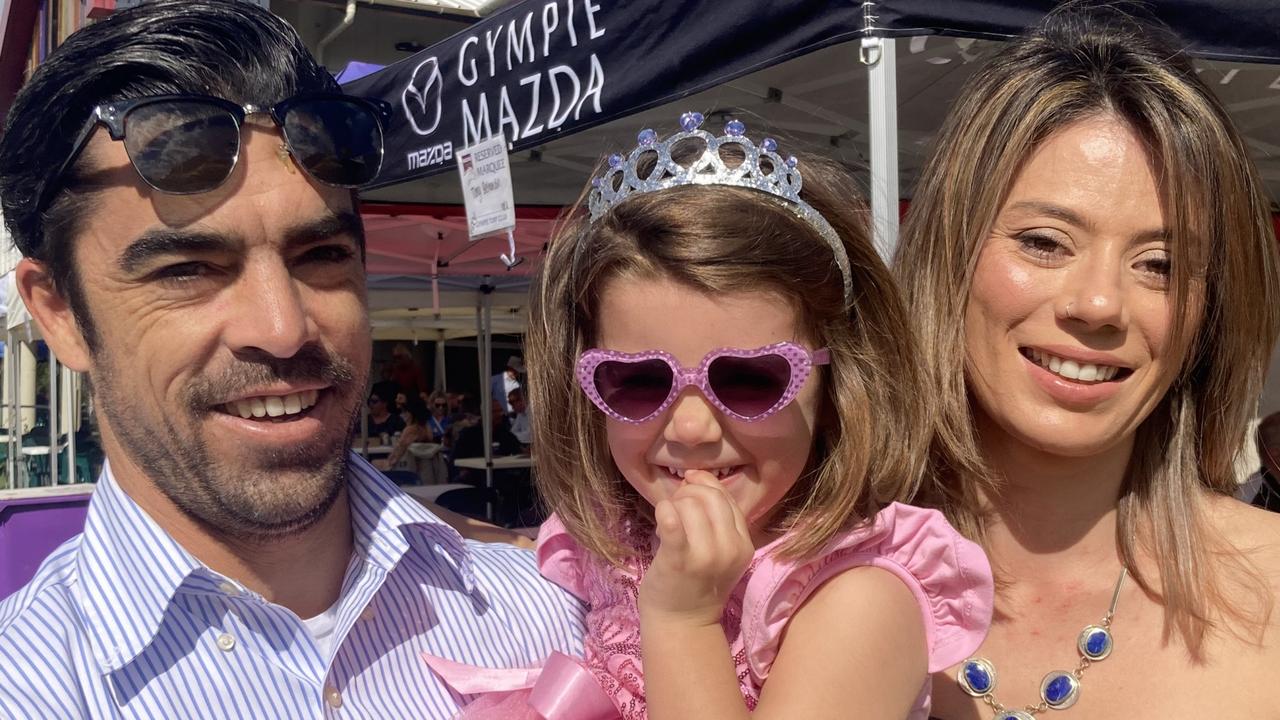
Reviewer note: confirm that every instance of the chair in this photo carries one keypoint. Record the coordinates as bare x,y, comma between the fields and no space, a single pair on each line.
402,477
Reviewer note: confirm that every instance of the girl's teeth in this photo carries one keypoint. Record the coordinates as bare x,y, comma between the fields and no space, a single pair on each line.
259,408
720,473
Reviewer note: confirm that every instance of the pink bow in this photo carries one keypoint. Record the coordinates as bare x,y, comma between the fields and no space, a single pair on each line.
562,689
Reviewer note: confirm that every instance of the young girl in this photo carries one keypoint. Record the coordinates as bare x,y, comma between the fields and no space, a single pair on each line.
727,408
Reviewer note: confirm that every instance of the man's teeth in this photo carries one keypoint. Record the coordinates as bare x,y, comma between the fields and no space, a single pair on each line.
273,405
1072,370
720,473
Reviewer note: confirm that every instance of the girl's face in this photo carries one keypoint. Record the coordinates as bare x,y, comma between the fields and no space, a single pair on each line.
1068,322
758,462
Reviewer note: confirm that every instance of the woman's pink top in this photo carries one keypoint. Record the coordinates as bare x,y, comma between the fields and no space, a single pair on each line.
949,576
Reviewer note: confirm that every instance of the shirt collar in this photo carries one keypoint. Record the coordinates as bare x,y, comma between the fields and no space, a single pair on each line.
386,522
130,568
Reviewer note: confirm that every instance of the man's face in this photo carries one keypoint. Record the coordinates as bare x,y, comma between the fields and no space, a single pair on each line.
233,344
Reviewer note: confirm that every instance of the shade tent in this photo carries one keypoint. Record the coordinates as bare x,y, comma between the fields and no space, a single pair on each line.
433,242
1242,30
541,70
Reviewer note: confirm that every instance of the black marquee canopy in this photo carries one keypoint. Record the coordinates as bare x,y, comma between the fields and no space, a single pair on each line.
539,70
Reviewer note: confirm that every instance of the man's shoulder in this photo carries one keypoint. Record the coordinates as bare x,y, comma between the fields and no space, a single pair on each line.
510,574
40,621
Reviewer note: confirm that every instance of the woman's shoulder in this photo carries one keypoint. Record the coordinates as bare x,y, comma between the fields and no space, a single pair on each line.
1252,531
1242,524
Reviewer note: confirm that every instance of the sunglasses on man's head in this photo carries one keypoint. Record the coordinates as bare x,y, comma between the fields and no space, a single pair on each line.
185,144
747,385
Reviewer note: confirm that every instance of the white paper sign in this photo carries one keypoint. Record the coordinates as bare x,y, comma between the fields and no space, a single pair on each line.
486,187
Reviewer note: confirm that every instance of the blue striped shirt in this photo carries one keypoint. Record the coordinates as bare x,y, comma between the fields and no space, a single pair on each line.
122,622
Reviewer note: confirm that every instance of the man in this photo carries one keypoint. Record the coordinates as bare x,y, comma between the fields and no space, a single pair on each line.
234,563
520,417
501,385
470,442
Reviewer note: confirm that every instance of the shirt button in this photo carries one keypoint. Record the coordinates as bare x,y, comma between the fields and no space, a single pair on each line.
228,588
369,613
333,697
226,643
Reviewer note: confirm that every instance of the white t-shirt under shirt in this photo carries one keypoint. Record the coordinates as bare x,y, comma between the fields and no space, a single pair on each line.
321,628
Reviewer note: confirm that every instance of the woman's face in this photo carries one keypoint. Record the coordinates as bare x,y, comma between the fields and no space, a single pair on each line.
1068,322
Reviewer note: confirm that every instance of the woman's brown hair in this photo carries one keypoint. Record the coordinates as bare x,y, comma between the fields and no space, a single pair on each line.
868,446
1083,62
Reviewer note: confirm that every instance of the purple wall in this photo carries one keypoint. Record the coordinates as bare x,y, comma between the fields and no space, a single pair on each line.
31,528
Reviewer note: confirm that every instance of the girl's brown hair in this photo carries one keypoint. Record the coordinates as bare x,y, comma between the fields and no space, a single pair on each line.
1080,63
868,446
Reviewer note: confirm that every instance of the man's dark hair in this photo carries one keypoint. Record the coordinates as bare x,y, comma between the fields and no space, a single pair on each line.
227,48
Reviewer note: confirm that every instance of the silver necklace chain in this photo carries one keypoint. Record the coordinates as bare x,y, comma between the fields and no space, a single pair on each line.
1060,689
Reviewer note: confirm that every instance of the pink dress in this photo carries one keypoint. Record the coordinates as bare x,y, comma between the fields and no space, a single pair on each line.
948,575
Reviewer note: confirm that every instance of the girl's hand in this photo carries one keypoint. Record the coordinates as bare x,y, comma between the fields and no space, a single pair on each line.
704,547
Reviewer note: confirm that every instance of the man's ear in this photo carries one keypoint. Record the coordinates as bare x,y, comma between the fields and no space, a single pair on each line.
52,312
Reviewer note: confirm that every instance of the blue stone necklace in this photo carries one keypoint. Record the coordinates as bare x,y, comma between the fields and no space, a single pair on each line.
1061,688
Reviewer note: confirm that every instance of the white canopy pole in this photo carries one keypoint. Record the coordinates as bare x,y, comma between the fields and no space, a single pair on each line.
442,377
878,54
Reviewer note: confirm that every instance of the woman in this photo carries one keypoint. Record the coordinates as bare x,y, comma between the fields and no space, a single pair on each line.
1093,240
418,429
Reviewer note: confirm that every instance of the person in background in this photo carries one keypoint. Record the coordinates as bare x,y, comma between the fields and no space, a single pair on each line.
381,420
1262,489
402,407
501,385
197,256
520,418
470,441
439,421
417,430
405,371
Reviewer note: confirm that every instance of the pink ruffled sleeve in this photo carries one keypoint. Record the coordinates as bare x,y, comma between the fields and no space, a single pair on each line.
949,576
560,557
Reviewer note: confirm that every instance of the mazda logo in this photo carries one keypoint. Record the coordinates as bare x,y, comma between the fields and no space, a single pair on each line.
421,99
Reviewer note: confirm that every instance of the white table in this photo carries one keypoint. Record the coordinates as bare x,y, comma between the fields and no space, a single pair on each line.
503,462
373,449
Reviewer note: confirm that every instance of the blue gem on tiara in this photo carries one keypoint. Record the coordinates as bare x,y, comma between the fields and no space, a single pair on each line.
691,121
735,128
769,145
647,137
615,160
792,162
597,182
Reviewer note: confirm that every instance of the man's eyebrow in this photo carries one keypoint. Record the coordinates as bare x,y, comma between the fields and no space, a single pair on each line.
166,241
327,227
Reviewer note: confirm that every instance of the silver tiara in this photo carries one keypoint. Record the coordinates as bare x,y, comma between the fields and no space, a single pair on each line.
779,178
